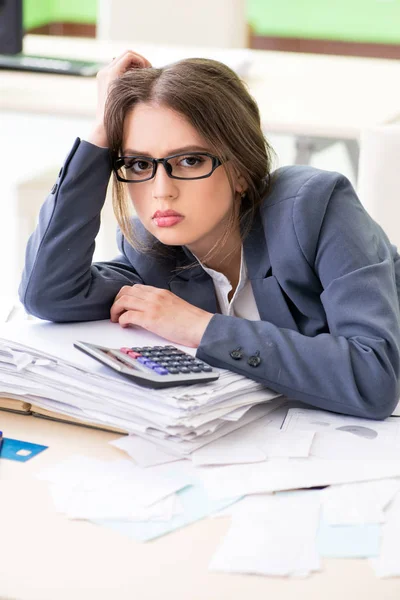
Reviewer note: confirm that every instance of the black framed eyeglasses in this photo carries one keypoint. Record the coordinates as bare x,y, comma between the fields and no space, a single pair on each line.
187,165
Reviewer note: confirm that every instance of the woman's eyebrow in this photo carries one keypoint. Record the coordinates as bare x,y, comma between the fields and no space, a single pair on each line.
131,152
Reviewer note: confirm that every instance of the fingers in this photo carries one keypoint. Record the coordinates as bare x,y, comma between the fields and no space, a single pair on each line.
123,304
128,60
128,298
140,298
129,317
138,290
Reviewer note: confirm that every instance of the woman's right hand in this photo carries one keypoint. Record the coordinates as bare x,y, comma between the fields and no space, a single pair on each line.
118,66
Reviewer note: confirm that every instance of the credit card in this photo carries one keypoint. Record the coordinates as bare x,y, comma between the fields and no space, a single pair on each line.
19,450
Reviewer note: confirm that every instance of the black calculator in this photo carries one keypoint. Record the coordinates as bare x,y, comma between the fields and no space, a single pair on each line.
152,366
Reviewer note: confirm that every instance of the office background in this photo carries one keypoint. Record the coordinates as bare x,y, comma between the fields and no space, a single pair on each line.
41,141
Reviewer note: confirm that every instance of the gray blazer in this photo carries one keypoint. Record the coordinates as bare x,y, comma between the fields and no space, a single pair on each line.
325,278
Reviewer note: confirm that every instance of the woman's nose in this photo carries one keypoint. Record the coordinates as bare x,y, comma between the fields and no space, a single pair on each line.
163,186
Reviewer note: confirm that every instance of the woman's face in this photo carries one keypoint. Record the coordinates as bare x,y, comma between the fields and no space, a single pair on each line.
203,205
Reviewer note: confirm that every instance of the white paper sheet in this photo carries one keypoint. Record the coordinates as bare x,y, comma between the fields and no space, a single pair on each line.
143,452
341,444
358,503
145,486
287,474
119,504
254,443
277,539
298,419
388,563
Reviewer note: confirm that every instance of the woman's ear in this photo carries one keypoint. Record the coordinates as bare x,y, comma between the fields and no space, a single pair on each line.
240,185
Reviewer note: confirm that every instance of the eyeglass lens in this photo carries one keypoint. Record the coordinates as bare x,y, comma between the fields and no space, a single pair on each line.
188,166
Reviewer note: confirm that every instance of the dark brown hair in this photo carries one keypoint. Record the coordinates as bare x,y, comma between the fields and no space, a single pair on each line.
217,104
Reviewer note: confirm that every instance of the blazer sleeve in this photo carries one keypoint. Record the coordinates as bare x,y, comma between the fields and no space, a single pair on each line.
59,281
354,369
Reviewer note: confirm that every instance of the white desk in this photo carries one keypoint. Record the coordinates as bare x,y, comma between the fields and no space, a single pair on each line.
46,557
301,94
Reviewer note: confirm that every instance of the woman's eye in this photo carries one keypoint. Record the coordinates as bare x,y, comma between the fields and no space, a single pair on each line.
141,165
191,161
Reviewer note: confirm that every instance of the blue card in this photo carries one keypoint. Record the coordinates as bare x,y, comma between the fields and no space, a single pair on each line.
19,450
349,541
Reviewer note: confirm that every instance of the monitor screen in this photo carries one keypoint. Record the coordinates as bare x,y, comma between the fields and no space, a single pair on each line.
11,28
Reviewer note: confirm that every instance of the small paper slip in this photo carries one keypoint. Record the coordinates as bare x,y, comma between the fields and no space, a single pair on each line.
119,504
143,452
279,539
254,443
388,563
358,503
349,541
196,505
341,444
144,486
321,421
290,474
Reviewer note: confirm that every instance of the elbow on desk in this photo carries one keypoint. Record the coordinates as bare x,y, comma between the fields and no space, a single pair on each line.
380,395
41,307
47,306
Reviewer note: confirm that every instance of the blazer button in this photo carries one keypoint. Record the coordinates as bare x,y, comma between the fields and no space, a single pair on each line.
236,354
254,360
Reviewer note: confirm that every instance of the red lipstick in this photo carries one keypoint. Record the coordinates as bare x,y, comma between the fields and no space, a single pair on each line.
167,218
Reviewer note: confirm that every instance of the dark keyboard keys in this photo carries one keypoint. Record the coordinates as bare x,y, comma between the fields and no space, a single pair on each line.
166,360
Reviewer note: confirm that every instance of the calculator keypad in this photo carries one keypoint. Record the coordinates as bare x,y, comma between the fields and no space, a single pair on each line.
166,360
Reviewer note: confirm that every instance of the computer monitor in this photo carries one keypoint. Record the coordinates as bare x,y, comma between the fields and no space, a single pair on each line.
12,58
11,28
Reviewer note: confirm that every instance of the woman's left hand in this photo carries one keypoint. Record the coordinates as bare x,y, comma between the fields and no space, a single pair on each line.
161,312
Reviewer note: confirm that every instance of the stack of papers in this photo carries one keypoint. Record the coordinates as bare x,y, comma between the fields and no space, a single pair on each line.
180,419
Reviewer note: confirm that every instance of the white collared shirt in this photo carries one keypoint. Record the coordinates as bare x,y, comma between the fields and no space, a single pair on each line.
243,303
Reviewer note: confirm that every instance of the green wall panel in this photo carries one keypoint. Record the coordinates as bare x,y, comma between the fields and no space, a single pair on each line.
36,13
40,12
346,20
81,11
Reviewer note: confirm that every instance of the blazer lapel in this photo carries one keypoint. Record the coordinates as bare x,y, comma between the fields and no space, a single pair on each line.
193,285
269,296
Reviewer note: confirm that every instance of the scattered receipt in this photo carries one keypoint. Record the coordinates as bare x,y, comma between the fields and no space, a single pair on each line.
278,540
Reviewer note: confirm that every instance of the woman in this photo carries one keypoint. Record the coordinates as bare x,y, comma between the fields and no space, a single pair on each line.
282,277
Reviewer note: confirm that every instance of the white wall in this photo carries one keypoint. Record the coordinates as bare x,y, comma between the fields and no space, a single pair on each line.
217,23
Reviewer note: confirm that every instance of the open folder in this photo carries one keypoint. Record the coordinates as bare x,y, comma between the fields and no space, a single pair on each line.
41,373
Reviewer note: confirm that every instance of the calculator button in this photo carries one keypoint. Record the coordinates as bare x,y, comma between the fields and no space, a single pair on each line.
195,369
174,363
153,365
206,368
143,360
161,371
173,370
184,370
133,354
135,349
